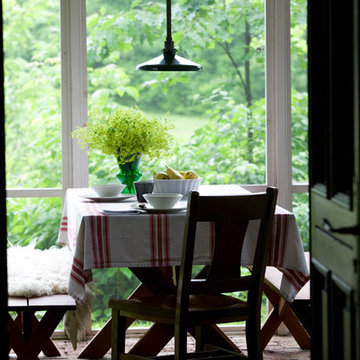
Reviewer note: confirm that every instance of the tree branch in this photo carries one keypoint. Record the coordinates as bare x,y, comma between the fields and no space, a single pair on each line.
227,51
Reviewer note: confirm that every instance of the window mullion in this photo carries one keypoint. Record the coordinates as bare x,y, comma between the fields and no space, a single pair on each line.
73,90
278,98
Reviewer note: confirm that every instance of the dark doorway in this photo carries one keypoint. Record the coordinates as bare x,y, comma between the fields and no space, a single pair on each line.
334,177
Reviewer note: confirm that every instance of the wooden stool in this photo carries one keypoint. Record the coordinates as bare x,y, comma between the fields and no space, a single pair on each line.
296,315
28,336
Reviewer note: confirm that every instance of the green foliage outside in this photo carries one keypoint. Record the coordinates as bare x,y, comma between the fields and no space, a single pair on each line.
219,113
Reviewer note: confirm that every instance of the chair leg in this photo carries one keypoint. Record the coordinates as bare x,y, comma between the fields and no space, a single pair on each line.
199,338
118,333
180,342
253,339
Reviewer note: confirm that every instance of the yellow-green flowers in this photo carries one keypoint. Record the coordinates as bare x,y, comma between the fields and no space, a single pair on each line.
126,132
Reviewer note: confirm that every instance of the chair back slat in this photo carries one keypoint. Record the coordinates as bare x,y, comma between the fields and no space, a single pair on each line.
212,208
231,215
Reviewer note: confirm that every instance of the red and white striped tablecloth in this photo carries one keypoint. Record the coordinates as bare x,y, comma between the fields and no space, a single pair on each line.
100,240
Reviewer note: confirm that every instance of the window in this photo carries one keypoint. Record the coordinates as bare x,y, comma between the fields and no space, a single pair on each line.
224,103
101,42
33,120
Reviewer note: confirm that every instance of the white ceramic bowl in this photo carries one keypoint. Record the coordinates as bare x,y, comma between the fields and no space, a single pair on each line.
109,190
182,186
162,200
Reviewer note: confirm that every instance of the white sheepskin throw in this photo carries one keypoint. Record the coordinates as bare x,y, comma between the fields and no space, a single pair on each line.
33,272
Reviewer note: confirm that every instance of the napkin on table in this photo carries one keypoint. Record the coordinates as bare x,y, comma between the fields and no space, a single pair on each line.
119,208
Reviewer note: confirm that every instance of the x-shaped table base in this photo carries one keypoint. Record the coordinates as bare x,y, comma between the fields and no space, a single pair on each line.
153,281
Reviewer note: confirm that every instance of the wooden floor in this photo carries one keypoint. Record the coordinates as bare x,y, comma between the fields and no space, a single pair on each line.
279,348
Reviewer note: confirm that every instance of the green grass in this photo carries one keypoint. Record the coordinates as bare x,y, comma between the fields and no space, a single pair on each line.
185,126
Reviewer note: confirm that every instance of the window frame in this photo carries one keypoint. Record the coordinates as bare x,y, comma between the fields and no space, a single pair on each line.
278,102
75,167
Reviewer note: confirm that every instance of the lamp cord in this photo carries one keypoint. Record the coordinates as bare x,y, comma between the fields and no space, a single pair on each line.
168,20
169,50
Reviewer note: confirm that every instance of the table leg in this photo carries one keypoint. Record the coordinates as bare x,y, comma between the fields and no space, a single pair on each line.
146,346
214,335
282,312
100,344
157,280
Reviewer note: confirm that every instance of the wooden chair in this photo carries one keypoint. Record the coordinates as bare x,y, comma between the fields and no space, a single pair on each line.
200,302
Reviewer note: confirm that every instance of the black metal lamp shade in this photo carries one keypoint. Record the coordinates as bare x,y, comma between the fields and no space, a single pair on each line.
177,63
169,61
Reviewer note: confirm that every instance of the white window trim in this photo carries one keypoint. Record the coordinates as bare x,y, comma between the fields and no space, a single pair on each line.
73,91
75,169
278,99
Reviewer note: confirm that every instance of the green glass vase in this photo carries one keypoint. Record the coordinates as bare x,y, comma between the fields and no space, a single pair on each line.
129,172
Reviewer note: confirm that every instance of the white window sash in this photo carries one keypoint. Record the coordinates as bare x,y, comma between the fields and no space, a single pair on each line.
75,167
278,99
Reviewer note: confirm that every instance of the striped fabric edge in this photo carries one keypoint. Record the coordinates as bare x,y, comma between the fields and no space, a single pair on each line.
297,279
64,224
159,239
279,239
99,233
77,273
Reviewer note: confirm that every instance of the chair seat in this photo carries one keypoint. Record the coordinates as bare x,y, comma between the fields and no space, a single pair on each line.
205,308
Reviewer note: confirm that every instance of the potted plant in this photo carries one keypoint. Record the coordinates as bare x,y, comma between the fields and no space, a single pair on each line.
127,134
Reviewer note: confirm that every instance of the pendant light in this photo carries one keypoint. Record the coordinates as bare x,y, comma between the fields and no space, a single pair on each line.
169,61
